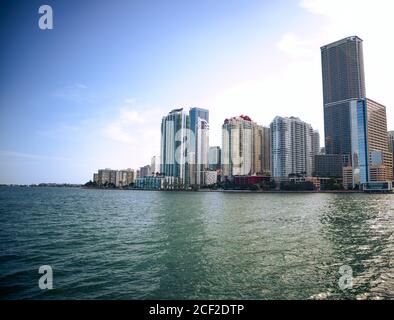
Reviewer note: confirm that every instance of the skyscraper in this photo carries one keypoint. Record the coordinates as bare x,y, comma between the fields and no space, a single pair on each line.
343,81
390,136
237,146
355,127
173,148
315,147
257,136
380,160
291,147
266,151
214,158
199,125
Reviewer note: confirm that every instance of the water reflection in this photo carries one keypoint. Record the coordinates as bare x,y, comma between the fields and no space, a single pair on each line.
360,229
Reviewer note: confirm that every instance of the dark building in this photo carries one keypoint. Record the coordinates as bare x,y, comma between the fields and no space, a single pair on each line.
328,165
343,81
250,180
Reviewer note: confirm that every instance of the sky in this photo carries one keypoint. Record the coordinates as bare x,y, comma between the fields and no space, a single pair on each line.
91,92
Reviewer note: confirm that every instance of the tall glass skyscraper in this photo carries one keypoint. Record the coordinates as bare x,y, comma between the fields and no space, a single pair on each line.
355,127
343,81
175,135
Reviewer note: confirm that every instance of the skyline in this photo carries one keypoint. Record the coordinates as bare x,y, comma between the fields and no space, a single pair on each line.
83,110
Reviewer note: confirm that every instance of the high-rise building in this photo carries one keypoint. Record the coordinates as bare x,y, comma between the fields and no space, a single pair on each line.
315,147
343,81
328,165
291,147
145,171
266,151
355,127
257,136
155,165
106,176
214,158
380,160
173,149
237,146
390,136
199,125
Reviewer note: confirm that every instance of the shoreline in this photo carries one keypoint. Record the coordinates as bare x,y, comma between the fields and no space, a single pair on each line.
249,191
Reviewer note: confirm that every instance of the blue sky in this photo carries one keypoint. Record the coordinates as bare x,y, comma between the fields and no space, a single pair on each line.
91,92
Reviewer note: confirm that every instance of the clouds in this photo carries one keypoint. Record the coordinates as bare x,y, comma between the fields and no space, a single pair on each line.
136,131
296,46
77,93
370,20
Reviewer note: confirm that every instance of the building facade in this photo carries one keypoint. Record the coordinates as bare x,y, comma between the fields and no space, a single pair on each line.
266,151
355,127
380,159
291,147
328,165
199,125
238,147
175,134
390,137
315,147
343,81
214,158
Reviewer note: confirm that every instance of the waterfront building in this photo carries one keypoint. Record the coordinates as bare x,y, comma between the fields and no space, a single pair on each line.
247,181
380,159
95,178
175,133
159,183
355,127
145,171
343,81
106,176
257,136
390,136
124,178
266,151
121,179
210,177
199,125
238,146
291,140
155,165
328,165
315,147
347,177
214,158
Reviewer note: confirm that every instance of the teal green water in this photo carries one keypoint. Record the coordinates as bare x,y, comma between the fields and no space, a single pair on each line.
106,244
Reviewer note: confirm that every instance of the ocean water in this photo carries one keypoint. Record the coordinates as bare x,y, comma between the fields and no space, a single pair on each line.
109,244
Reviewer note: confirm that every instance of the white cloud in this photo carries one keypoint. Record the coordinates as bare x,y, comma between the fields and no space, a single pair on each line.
296,46
76,92
15,154
138,133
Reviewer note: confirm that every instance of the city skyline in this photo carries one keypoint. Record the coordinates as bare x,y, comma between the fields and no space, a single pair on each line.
80,111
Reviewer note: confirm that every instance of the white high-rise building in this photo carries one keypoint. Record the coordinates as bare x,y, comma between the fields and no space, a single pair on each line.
237,146
155,165
291,147
199,125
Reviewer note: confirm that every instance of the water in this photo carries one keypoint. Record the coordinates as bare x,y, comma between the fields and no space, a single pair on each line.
106,244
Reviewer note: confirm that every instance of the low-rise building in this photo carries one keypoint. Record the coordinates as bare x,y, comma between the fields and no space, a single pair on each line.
210,177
